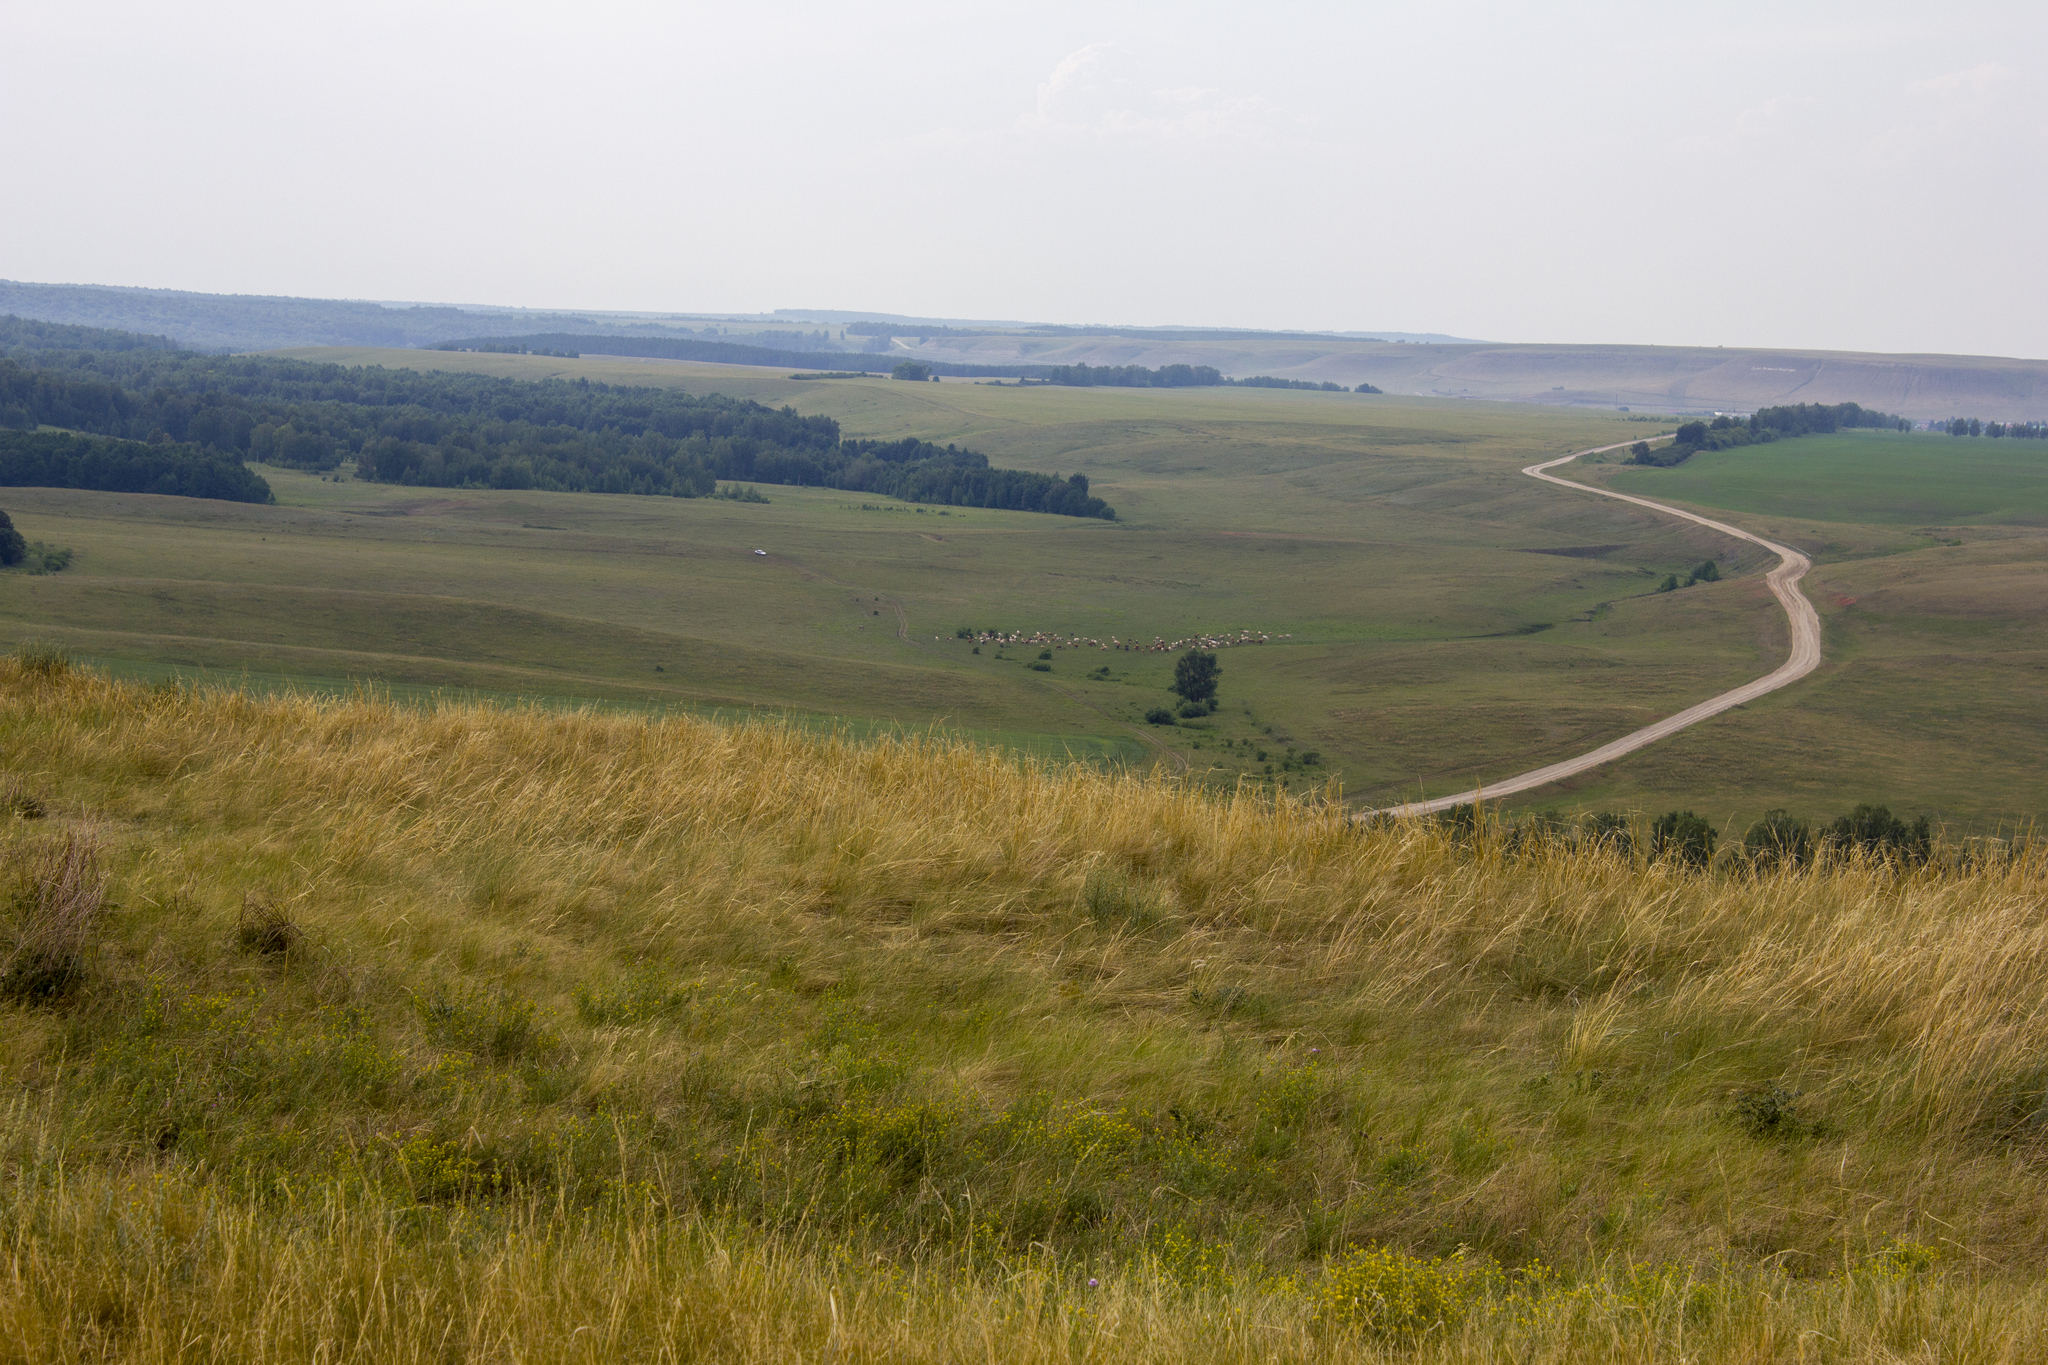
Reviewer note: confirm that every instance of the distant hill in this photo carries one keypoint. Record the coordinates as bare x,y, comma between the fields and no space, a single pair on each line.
1658,378
261,322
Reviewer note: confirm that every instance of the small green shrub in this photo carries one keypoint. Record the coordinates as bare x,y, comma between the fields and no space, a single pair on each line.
1159,715
1113,896
18,800
1189,710
1769,1111
42,559
492,1027
1610,828
1045,654
1778,840
644,996
42,659
1037,667
1403,1166
1390,1293
436,1172
1683,837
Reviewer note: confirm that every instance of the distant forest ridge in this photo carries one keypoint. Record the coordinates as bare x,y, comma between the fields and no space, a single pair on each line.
874,362
442,430
897,329
722,353
256,322
23,336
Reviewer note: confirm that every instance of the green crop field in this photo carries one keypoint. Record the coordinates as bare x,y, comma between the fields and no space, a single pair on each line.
1433,617
1883,478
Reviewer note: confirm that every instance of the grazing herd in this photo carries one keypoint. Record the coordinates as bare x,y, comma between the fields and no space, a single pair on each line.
1158,644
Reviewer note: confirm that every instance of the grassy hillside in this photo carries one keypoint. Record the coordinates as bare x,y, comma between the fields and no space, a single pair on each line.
338,1030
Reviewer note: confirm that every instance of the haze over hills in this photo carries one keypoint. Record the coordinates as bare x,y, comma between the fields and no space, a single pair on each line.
1663,378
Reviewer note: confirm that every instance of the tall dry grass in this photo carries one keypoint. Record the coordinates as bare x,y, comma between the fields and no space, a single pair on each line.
604,1037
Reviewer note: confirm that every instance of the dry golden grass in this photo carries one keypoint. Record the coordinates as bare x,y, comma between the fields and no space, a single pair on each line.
590,1037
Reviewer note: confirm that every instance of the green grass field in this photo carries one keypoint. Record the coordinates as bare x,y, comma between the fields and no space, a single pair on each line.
1449,618
1877,478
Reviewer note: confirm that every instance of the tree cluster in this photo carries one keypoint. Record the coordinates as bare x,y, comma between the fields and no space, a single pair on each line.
1765,425
58,459
1970,426
1086,376
1706,571
475,431
1779,840
1267,381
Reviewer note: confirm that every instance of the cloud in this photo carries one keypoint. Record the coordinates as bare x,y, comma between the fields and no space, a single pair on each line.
1758,123
1947,111
1972,86
1064,77
1762,117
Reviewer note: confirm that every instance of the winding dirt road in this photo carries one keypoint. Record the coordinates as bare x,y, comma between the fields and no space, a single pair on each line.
1784,585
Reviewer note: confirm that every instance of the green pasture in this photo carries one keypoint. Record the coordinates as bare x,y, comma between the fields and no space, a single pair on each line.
1447,619
1882,478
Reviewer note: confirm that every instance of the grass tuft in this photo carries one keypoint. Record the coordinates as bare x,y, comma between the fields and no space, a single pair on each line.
55,907
266,928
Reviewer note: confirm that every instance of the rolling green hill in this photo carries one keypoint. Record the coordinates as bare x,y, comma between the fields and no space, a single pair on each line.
1445,618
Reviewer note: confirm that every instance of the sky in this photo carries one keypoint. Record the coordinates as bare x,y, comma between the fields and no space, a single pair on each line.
1859,176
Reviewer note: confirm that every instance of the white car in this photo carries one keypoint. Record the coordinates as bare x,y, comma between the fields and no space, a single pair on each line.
760,552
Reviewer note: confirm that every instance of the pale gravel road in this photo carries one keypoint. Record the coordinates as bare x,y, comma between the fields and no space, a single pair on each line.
1784,585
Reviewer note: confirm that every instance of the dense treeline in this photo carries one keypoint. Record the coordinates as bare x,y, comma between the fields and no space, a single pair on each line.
1970,426
57,459
470,431
1765,425
1086,376
918,471
1267,381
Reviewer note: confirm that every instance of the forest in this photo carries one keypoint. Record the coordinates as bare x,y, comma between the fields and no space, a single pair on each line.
470,431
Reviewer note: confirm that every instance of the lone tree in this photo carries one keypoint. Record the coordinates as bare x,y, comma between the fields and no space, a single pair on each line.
1194,677
13,549
910,369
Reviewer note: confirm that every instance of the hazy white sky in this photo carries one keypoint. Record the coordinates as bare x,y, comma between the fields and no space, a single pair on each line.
1862,175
